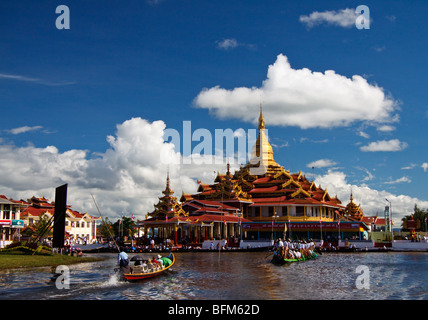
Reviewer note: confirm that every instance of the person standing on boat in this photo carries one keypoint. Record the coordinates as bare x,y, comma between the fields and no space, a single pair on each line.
123,259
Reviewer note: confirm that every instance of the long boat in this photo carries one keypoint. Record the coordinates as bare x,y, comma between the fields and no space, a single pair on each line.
136,276
281,261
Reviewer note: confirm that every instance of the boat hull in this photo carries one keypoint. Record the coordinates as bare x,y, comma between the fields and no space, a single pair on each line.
282,261
148,275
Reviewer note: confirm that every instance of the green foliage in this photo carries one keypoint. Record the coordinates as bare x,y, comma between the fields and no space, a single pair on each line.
106,229
41,250
418,215
124,227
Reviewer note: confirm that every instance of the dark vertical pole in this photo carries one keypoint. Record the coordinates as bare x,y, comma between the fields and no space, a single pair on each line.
59,216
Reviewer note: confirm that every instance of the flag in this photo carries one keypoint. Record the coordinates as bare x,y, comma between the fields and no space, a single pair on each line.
199,181
120,221
133,217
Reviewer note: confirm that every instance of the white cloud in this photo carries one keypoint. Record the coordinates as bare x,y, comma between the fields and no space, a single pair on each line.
409,167
384,145
425,166
400,180
369,175
24,129
371,200
34,80
386,128
18,77
342,18
302,98
227,44
231,43
322,163
127,177
363,134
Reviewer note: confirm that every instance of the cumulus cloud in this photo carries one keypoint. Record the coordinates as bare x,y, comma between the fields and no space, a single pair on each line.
302,98
127,178
322,163
342,18
371,200
425,166
384,145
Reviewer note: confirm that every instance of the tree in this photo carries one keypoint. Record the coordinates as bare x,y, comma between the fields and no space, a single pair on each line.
124,227
106,229
42,225
418,215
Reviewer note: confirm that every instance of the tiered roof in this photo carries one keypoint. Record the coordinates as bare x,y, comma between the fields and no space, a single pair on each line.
353,211
167,206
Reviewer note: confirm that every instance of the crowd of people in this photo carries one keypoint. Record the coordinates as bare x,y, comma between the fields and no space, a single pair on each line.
287,249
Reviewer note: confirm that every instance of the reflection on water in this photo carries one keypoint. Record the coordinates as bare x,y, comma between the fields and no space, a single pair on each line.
237,276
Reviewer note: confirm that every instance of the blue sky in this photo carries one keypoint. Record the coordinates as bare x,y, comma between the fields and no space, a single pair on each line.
63,92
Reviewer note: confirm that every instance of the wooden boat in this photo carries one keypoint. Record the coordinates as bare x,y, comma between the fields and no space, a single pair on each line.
281,261
141,275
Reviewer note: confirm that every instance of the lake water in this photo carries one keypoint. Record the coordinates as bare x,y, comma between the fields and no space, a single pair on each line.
235,276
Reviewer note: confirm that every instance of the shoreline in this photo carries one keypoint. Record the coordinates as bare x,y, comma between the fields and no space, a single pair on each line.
22,261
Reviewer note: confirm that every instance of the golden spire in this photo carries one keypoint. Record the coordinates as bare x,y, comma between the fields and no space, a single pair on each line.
262,152
167,190
261,118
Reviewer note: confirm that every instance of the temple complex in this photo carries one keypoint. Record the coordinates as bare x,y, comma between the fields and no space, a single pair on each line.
193,221
269,201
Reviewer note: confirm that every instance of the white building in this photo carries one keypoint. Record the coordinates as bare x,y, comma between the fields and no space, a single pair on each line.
80,228
10,223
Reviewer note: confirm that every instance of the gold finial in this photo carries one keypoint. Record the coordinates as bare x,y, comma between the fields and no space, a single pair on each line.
261,118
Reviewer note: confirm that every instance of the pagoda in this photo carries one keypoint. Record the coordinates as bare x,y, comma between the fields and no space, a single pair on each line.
167,206
271,196
354,212
263,189
193,220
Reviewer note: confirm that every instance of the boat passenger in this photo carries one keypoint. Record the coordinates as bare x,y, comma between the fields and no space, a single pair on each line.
156,262
160,261
150,265
166,261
